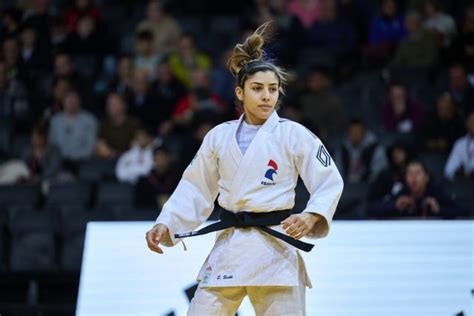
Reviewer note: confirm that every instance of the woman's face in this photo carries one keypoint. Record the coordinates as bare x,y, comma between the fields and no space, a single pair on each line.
416,177
259,96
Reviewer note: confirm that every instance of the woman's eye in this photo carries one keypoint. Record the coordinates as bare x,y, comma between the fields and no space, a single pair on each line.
256,89
273,90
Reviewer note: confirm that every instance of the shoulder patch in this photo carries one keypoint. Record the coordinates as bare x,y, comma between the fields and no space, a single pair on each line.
323,156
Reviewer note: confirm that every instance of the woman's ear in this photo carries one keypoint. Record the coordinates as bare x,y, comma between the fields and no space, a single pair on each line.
239,92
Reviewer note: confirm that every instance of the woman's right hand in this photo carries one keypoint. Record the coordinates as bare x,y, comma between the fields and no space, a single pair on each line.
157,234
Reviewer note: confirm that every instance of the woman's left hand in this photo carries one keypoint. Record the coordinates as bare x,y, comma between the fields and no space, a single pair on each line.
299,225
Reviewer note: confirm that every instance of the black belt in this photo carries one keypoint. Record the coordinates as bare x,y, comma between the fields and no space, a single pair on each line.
247,219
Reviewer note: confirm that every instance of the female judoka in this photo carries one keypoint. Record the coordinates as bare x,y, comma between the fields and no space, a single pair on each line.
253,165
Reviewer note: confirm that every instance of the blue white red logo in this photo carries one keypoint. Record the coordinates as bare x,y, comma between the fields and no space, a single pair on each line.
272,170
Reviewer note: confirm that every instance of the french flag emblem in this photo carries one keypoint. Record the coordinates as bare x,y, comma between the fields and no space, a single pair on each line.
272,170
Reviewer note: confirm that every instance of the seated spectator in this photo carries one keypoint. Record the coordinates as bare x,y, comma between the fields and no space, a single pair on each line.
11,58
14,104
391,178
143,102
401,113
461,159
88,44
145,56
165,29
419,197
73,130
44,160
462,50
419,48
117,130
320,105
441,24
386,31
332,34
54,102
360,157
444,126
11,20
199,99
154,189
64,68
307,12
122,83
81,8
34,60
187,59
138,160
460,89
168,89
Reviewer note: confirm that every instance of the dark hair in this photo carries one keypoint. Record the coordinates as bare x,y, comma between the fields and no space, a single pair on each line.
249,58
144,35
418,162
355,121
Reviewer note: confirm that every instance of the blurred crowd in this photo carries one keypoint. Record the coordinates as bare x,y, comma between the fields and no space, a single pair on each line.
387,85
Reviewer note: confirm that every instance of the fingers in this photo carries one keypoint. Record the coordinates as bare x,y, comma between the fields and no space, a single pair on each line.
295,227
153,238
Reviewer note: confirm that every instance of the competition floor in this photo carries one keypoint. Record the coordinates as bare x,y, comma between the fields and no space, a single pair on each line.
364,268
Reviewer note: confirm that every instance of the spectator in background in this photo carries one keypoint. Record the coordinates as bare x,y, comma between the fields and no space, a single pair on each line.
360,157
122,83
419,197
168,89
11,18
40,16
419,48
165,29
88,44
55,100
460,89
222,80
188,59
331,34
36,62
391,178
462,50
80,9
443,127
116,130
145,56
43,159
154,189
461,159
11,58
59,34
64,68
442,25
199,99
143,102
386,31
401,113
73,130
138,160
14,105
306,11
319,105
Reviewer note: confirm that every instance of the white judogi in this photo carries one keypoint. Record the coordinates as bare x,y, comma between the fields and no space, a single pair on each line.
262,180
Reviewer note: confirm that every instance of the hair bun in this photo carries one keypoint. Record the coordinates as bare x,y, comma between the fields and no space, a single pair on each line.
251,49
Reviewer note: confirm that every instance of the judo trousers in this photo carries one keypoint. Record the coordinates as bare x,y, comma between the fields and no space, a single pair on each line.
266,300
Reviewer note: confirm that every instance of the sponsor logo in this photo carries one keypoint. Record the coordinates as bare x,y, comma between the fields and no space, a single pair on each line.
272,170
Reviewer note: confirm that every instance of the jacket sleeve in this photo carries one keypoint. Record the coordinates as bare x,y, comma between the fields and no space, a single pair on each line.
320,176
192,201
